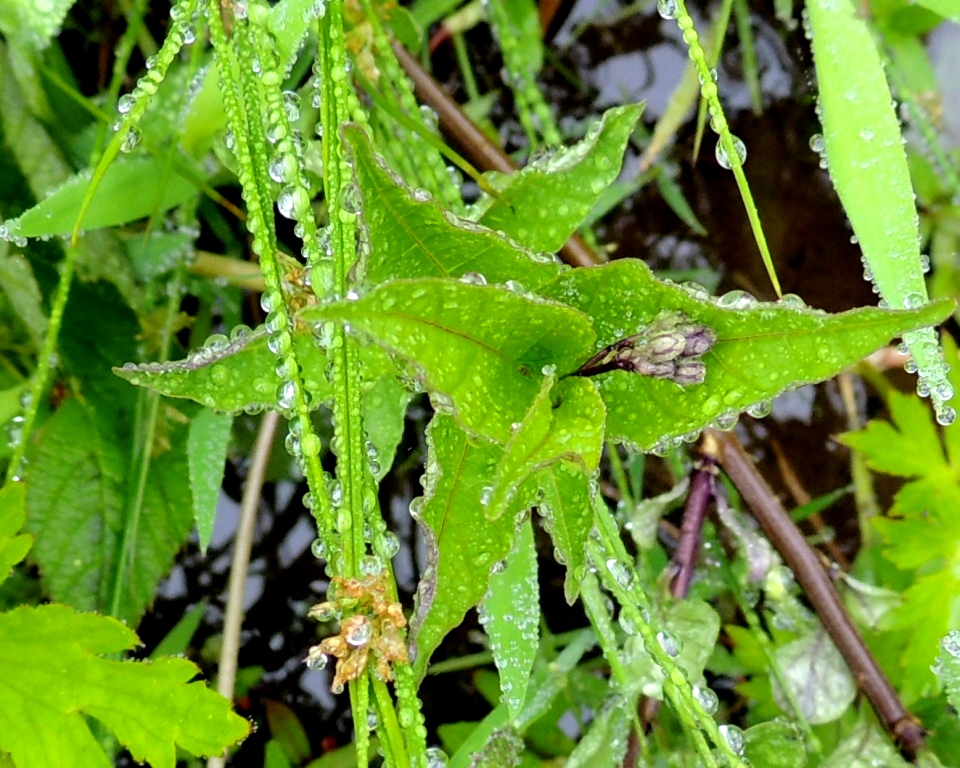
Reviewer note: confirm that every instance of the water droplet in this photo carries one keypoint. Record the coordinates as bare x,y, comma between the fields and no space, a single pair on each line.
761,409
945,415
736,300
914,300
721,153
360,632
668,9
371,565
293,201
126,103
473,278
486,493
726,421
436,758
734,737
319,549
621,574
388,545
131,140
670,643
317,662
707,698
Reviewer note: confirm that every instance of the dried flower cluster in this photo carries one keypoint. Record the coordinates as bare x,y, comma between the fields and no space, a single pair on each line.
373,628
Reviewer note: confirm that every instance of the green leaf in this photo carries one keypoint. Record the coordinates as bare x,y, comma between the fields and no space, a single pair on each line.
775,744
462,544
75,503
818,677
510,615
384,411
13,512
410,237
132,188
865,746
53,676
23,293
31,23
565,504
761,349
206,454
605,742
563,424
947,667
231,375
868,166
544,203
479,349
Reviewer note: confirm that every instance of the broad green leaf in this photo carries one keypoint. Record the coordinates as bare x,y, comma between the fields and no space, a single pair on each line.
818,677
410,237
287,732
132,188
479,349
868,166
54,676
775,744
544,203
564,503
31,23
230,375
13,548
947,667
761,349
564,423
462,544
206,454
510,615
76,505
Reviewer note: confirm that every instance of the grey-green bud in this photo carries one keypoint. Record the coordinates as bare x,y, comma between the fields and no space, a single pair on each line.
688,372
699,340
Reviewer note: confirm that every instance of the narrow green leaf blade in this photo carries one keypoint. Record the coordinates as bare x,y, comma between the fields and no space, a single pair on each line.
462,544
207,446
416,238
133,188
481,347
760,351
868,166
510,614
544,203
53,675
232,375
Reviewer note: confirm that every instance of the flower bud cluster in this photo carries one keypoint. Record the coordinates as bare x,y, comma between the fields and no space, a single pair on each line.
670,348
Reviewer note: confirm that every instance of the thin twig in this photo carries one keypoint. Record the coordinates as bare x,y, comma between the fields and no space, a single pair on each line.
803,560
475,145
243,543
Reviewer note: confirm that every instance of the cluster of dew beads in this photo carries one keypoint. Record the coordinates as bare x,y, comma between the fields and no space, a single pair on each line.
932,378
183,16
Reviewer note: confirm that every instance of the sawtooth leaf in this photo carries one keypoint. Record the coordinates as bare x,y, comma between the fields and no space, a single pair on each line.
54,675
762,349
13,511
481,347
231,375
411,237
545,202
206,454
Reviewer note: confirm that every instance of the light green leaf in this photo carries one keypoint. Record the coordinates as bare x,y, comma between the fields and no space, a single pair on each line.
462,544
775,744
479,349
232,375
868,166
544,203
132,188
818,677
13,548
761,349
206,454
947,667
510,615
32,23
410,237
865,746
384,411
54,675
23,293
565,505
564,423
